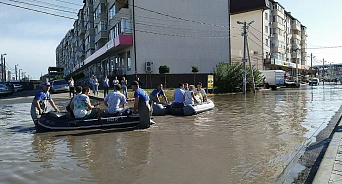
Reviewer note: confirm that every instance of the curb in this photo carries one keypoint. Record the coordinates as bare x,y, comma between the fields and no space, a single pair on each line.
329,170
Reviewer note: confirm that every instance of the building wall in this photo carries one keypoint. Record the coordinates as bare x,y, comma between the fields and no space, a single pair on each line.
258,37
181,44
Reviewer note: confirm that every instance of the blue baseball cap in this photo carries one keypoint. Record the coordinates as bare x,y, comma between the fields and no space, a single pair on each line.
47,84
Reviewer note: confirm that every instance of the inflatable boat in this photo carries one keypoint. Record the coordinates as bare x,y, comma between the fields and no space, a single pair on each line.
159,109
188,110
53,121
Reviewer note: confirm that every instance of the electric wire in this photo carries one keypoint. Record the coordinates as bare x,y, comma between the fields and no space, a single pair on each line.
44,12
43,7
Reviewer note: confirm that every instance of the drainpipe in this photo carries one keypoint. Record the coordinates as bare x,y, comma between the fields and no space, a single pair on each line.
230,50
134,43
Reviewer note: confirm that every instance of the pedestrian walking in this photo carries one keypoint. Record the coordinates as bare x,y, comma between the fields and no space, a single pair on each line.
105,86
124,86
71,87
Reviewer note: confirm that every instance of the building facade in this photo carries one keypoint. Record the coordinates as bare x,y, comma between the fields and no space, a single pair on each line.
133,38
276,39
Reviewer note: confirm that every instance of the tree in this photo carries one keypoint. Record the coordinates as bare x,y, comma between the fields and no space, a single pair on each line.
164,70
228,77
194,70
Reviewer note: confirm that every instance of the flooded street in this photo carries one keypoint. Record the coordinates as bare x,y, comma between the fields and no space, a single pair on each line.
248,139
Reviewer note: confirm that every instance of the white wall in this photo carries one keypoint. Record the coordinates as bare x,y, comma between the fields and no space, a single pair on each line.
190,44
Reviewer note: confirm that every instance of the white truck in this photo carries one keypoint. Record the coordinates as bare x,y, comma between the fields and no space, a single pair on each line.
273,78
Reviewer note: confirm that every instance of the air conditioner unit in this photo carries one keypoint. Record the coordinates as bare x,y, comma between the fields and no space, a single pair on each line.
149,66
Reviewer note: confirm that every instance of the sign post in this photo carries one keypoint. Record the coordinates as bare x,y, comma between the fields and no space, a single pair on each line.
210,83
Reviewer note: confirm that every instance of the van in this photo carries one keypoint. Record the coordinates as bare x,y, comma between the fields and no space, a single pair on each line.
274,78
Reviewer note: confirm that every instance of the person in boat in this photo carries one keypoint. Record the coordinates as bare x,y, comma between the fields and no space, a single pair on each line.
39,103
190,97
179,95
141,104
200,92
68,108
82,107
156,93
115,101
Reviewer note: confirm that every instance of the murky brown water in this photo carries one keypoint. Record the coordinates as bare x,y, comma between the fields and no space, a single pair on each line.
240,141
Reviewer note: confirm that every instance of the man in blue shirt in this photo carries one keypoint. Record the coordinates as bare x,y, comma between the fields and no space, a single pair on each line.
141,103
156,93
39,103
179,95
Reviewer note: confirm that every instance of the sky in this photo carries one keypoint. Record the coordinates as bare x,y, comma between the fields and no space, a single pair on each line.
29,38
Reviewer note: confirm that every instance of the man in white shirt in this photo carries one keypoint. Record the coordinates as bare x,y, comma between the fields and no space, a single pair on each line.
115,101
82,107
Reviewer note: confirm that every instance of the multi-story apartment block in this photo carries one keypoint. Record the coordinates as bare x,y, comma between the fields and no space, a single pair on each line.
120,37
276,39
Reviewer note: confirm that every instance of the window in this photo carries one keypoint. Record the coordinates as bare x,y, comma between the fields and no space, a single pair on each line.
126,25
266,15
111,34
266,29
97,11
267,42
111,13
129,62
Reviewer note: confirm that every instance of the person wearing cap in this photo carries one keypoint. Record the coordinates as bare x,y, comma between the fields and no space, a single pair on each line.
39,103
141,103
156,93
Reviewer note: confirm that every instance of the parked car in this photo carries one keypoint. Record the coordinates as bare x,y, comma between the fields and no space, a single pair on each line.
291,83
17,87
6,89
314,81
59,86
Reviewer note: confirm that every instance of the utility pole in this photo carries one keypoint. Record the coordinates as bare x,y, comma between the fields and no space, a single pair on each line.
323,72
4,69
311,67
16,72
244,60
19,73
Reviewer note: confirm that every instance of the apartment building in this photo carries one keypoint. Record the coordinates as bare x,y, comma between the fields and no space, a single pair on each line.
133,38
276,39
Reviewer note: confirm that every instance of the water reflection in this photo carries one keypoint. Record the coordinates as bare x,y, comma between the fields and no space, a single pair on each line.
106,155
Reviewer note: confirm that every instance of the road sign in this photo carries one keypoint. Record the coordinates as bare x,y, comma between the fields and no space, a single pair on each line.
210,82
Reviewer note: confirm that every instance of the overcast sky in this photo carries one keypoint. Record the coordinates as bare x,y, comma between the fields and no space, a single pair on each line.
30,38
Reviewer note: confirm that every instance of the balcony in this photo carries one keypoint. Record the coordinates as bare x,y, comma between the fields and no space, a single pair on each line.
296,36
122,13
81,30
90,46
101,35
296,25
120,41
90,31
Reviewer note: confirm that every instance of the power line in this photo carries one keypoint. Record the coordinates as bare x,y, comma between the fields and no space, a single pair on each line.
178,18
54,5
68,2
324,47
43,7
44,12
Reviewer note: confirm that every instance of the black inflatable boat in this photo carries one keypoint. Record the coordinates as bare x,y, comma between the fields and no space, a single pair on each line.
53,121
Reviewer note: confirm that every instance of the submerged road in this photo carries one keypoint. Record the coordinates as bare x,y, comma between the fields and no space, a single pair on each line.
252,139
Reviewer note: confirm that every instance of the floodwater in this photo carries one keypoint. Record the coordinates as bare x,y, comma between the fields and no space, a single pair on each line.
248,139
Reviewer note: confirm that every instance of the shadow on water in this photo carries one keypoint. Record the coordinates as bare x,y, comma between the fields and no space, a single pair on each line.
22,129
94,132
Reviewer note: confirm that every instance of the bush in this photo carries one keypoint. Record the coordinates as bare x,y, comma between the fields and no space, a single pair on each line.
164,69
228,78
